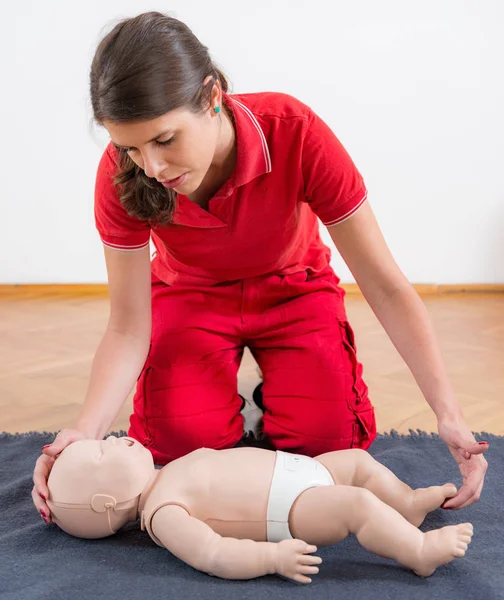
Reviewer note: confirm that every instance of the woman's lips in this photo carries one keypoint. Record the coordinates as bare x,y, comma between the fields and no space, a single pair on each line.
171,183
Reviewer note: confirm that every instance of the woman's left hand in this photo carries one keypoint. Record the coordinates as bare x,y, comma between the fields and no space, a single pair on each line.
469,456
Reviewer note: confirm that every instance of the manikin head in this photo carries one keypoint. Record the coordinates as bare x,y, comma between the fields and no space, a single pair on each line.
95,486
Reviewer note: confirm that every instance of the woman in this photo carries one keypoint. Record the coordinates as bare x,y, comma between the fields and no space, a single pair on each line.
229,188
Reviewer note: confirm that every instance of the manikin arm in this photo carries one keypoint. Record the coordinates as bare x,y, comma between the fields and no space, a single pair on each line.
198,545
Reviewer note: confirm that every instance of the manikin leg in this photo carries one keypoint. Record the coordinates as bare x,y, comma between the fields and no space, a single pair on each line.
326,515
360,469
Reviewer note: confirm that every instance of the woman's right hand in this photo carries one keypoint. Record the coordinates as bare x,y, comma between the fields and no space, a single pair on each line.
43,467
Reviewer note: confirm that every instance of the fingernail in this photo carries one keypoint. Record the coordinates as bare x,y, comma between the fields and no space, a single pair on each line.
46,446
483,443
42,513
43,497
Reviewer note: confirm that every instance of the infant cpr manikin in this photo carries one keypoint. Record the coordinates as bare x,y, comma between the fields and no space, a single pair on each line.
246,512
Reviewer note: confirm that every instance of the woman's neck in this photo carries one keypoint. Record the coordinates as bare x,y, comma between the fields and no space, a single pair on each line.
223,163
225,152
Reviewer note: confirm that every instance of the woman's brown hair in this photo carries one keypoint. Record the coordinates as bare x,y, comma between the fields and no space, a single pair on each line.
145,67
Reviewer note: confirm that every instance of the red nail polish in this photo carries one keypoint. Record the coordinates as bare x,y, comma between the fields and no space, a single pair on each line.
43,497
42,513
483,443
46,446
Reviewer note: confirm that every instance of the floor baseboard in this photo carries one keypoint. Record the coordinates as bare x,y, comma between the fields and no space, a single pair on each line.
100,290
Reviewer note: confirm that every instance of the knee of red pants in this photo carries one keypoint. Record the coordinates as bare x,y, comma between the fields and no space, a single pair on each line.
318,402
314,434
172,421
169,439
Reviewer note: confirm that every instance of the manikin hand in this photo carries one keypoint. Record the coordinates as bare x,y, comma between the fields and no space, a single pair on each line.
468,454
43,467
294,560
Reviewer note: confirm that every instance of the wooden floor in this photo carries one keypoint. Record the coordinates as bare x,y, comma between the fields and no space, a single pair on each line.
47,345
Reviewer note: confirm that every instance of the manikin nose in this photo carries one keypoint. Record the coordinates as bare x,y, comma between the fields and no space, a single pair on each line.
123,440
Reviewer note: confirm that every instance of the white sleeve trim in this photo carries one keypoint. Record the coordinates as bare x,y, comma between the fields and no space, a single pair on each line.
125,248
348,214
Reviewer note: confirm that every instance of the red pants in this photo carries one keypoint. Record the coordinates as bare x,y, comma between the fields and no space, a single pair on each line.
296,327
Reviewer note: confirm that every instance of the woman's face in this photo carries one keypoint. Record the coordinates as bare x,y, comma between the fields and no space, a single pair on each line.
179,145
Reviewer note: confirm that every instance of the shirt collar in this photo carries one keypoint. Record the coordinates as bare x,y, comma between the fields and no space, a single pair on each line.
253,156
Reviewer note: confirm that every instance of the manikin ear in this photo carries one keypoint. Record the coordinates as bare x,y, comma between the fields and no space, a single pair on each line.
100,503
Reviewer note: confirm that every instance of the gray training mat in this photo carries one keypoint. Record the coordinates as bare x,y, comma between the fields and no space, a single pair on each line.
38,561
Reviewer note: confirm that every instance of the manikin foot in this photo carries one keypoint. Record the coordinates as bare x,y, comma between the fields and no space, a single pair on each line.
442,546
425,500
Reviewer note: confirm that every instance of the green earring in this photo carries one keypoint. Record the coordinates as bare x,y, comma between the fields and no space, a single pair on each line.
217,109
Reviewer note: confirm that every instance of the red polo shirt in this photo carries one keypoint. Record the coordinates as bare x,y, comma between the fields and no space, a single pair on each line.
290,169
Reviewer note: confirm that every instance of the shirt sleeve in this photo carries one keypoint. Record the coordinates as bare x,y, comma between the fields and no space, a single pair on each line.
333,186
116,227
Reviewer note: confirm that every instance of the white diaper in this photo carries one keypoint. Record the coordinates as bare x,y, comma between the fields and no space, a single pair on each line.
293,475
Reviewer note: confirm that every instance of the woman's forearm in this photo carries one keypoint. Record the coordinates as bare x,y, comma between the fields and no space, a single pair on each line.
116,366
406,321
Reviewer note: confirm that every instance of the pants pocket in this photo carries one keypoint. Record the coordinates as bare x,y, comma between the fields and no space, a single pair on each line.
357,396
364,432
140,407
357,392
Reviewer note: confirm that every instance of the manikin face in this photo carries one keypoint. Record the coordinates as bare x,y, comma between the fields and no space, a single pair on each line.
176,148
119,467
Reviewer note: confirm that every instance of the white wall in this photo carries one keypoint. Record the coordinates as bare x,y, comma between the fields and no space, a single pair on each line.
414,91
